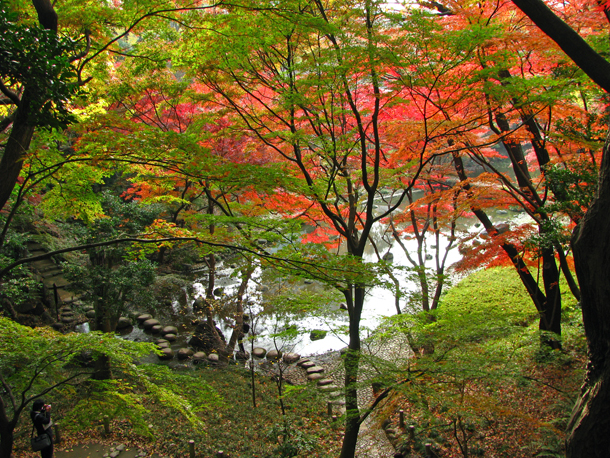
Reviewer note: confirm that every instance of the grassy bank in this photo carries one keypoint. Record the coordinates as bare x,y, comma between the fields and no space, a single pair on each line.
482,384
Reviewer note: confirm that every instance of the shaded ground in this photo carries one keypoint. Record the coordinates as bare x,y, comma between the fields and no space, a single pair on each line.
95,451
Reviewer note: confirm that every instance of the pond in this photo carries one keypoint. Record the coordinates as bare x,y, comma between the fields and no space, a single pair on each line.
379,302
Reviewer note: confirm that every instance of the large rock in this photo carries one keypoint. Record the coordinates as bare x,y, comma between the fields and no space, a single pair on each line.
317,334
148,324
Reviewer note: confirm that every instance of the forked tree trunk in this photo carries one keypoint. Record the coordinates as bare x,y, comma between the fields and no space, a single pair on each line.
589,427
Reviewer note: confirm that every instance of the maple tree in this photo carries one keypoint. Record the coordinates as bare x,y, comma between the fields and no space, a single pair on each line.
588,424
510,100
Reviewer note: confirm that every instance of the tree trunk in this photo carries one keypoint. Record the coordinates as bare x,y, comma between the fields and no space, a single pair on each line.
351,361
6,430
588,428
6,441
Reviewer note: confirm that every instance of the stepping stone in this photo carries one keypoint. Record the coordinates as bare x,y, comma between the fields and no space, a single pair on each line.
308,364
66,319
158,341
185,353
148,324
259,352
199,356
315,369
302,361
170,337
313,377
90,314
170,330
167,353
329,388
274,355
145,316
163,345
291,358
156,329
325,381
213,357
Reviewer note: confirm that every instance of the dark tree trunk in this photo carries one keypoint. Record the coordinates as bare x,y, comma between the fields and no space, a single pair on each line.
351,360
22,131
588,428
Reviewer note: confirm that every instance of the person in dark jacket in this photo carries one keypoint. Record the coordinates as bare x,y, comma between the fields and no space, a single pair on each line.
41,417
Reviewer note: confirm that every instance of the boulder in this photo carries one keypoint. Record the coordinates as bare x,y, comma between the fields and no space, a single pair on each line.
142,318
291,358
156,329
148,324
170,337
163,344
259,352
389,257
317,334
167,353
274,355
123,323
185,353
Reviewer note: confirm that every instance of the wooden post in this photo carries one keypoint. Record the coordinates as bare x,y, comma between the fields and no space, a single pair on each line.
401,418
191,449
412,433
329,408
428,450
220,454
57,433
106,424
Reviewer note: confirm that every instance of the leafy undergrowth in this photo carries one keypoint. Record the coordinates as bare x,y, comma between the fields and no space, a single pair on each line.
222,417
481,383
